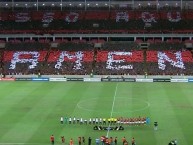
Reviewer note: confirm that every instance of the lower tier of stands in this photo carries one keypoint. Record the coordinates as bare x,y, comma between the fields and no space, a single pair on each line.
105,62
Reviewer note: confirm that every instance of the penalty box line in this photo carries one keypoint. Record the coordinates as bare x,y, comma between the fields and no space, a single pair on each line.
112,109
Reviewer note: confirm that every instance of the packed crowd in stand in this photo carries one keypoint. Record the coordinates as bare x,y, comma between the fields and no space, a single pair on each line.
173,59
122,58
93,21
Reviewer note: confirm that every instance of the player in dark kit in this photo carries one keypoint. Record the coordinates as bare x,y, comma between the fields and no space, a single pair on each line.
62,139
115,140
89,141
173,142
79,141
155,125
83,140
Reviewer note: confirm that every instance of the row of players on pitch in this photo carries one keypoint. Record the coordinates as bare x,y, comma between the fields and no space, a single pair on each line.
103,121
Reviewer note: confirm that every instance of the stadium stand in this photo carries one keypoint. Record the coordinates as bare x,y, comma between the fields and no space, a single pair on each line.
53,53
112,58
115,21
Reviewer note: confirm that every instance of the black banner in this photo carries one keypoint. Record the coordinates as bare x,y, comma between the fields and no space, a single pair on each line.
105,79
162,80
23,79
108,128
118,79
75,79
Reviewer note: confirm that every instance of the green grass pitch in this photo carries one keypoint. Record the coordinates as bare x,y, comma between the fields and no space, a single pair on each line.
30,111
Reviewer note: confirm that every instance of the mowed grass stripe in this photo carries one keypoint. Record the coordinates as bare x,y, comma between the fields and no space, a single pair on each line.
12,110
78,93
97,100
6,87
50,100
121,108
88,97
104,102
67,107
157,99
54,107
164,114
187,127
29,121
14,92
181,107
123,105
141,96
104,106
19,110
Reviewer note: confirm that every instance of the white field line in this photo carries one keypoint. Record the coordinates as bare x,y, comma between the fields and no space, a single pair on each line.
115,93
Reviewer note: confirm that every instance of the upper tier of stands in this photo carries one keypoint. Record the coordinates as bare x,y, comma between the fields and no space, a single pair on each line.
138,21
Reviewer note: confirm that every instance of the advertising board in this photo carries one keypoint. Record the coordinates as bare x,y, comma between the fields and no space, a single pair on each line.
92,79
7,79
118,79
179,80
161,80
190,80
75,79
144,80
57,79
40,79
23,79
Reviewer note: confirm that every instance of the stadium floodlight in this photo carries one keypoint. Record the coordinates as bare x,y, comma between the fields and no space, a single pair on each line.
6,4
96,4
80,4
43,4
70,4
88,4
61,5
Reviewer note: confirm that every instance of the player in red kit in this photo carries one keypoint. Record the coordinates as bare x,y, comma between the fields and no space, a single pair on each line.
52,139
133,141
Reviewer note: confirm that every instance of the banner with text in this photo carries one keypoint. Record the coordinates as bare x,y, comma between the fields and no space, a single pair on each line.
179,80
92,79
144,80
57,79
